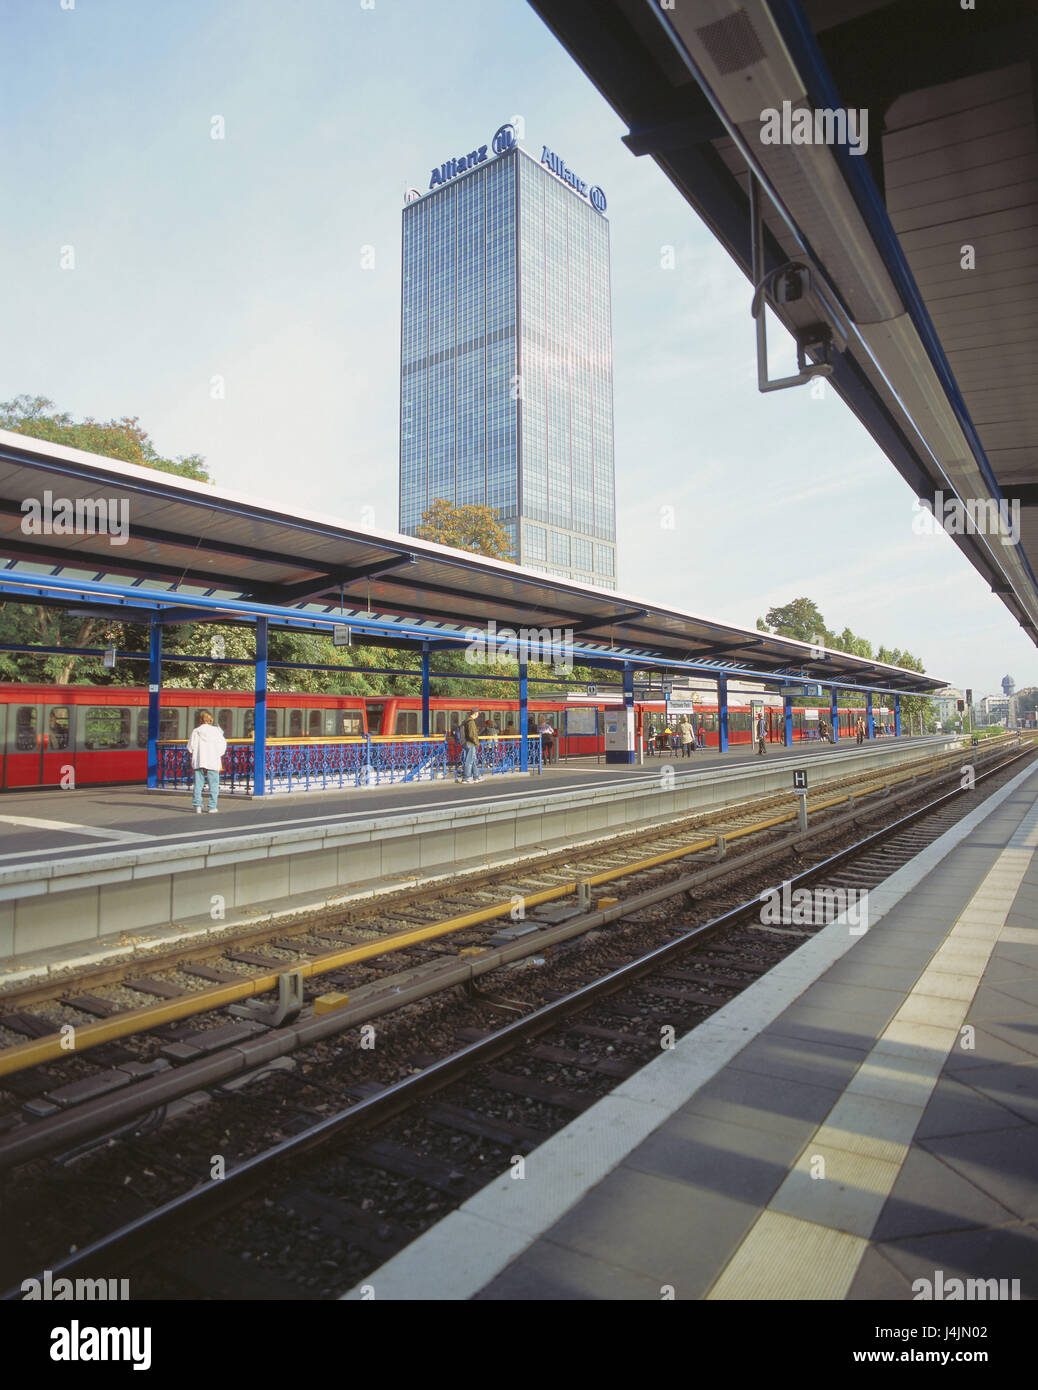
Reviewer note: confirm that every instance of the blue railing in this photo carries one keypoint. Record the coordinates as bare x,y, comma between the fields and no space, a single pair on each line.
293,766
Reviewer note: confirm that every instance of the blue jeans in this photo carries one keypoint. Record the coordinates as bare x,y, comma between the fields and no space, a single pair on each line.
468,763
203,776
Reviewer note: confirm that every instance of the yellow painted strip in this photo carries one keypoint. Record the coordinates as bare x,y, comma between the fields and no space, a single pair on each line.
39,1050
784,1258
328,1003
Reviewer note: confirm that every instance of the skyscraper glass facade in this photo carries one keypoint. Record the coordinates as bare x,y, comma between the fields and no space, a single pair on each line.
506,394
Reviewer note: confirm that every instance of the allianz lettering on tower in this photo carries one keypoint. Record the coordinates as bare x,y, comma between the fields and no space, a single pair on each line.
505,139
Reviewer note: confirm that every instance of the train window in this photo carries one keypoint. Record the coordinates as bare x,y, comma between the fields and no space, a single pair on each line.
738,721
315,723
58,729
407,722
225,719
171,723
106,727
25,729
249,723
295,723
351,723
375,712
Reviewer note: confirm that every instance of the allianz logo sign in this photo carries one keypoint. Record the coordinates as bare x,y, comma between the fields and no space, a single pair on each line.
557,165
505,139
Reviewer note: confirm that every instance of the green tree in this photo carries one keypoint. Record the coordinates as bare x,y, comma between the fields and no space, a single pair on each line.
471,528
799,619
40,625
118,439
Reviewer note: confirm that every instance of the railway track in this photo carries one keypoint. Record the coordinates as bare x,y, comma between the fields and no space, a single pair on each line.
370,1197
59,1022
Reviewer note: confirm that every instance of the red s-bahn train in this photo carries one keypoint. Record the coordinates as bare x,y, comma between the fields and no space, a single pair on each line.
101,732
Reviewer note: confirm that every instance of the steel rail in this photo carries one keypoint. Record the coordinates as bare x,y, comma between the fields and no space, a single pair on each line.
132,1242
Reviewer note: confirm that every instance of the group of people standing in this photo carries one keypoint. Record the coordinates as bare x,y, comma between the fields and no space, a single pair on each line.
672,739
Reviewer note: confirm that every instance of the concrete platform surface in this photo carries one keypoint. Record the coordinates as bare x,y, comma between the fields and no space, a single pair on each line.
33,824
860,1124
134,877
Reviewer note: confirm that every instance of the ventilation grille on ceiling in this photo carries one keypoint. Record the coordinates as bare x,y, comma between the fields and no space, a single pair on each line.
732,43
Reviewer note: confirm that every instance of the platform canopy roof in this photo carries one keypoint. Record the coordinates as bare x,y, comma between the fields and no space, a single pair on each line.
192,552
923,247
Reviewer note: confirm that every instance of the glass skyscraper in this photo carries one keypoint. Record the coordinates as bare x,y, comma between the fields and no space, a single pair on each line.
506,387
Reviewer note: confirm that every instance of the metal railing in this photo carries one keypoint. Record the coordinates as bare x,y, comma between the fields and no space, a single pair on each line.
294,765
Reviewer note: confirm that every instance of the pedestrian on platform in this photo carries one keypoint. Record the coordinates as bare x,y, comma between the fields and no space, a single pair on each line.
688,738
859,729
823,730
206,748
762,734
547,731
470,748
494,739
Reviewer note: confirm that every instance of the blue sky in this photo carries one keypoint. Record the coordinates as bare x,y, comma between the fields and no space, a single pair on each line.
243,258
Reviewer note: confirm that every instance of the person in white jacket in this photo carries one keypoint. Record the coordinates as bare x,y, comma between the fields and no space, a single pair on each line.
206,746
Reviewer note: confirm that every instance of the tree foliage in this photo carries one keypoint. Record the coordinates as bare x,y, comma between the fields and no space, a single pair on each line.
118,439
802,619
472,528
37,625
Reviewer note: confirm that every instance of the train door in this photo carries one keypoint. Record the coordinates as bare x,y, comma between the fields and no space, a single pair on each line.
39,745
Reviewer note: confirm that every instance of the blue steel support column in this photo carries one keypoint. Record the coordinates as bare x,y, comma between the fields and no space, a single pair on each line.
834,714
787,719
425,690
154,687
259,728
870,728
524,747
897,716
722,714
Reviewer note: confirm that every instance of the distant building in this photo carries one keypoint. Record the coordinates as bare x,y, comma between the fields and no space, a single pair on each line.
946,704
992,709
506,370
